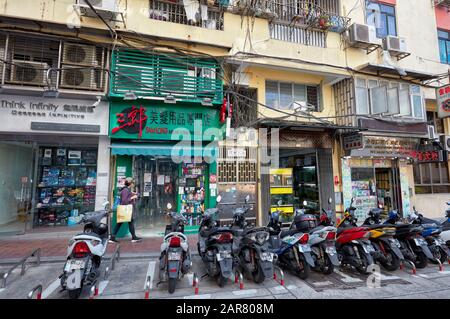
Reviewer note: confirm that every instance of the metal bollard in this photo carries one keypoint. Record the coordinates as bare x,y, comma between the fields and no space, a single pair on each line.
281,275
411,264
241,279
147,287
195,283
441,267
37,289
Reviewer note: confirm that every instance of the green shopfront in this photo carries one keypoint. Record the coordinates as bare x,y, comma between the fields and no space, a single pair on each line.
170,152
168,148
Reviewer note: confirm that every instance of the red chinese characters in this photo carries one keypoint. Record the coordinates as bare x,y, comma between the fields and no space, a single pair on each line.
132,120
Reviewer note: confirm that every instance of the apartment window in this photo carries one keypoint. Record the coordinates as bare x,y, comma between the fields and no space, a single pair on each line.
388,98
382,17
444,46
283,95
431,178
438,123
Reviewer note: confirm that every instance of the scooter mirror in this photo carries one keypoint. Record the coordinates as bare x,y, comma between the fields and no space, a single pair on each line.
219,199
305,203
169,206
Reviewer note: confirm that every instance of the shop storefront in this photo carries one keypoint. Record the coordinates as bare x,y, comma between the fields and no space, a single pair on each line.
169,150
54,161
377,170
304,173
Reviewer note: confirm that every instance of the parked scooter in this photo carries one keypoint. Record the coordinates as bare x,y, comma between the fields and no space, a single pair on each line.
387,248
251,246
353,244
215,246
291,246
322,236
175,259
445,235
431,232
413,246
85,253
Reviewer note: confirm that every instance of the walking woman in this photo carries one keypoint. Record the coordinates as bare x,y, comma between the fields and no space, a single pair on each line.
127,197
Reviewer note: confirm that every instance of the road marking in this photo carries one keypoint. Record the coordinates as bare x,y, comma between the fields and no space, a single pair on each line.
385,277
150,272
190,278
279,288
291,287
322,283
51,288
205,296
102,285
1,289
245,292
347,278
424,276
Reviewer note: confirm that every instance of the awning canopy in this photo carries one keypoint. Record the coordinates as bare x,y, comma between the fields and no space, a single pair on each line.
148,149
380,69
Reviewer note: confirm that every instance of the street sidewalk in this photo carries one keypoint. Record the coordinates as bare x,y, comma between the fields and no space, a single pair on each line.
55,247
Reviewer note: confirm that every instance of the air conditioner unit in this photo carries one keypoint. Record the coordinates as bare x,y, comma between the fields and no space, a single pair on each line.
75,78
104,5
241,78
79,54
27,72
432,135
363,34
445,142
395,45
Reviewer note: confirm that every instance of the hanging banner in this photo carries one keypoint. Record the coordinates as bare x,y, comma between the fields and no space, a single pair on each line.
404,185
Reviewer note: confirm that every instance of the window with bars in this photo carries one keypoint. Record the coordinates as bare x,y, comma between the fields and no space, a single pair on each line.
431,178
444,46
283,95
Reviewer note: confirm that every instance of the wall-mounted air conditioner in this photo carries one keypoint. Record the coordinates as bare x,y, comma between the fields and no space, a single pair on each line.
432,135
445,141
79,54
75,78
27,72
241,78
104,5
395,45
363,34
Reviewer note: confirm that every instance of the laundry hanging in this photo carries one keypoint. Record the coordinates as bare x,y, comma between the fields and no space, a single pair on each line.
191,7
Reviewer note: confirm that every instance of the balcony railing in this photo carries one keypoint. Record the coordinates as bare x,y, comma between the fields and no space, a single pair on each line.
204,16
305,14
291,33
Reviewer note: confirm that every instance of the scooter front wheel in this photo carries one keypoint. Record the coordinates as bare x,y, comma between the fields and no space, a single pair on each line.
304,270
221,281
421,260
258,274
392,262
328,266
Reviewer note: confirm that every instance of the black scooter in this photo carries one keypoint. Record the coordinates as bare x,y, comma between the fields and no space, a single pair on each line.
251,247
215,246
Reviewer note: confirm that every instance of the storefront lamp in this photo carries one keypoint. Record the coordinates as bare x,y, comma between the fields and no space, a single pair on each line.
50,93
206,101
129,96
170,99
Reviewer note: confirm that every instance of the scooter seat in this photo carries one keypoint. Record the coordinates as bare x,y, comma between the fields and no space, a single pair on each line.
316,229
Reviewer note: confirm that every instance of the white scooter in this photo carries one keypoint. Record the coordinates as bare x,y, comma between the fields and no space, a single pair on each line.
175,259
85,252
445,234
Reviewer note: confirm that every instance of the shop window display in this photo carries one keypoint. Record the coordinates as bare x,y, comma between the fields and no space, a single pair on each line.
66,185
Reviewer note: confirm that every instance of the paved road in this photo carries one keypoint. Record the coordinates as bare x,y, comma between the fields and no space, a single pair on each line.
128,281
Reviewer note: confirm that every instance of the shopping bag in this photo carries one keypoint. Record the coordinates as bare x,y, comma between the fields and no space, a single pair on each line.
124,213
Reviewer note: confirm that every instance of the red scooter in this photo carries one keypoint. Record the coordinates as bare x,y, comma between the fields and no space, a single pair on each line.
353,244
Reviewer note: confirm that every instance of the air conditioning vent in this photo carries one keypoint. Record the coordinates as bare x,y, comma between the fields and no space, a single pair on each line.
79,54
241,78
361,33
395,45
27,72
75,78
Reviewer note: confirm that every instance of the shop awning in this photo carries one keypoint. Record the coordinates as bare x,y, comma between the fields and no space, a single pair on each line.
378,69
163,150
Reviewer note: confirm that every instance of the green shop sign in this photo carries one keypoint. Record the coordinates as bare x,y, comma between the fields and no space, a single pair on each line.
151,121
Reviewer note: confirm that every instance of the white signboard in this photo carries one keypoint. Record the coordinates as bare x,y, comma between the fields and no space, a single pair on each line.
443,101
53,115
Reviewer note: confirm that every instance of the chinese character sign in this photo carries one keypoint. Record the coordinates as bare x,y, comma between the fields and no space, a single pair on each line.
443,101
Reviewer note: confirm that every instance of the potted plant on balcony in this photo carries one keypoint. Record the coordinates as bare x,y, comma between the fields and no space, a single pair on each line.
323,22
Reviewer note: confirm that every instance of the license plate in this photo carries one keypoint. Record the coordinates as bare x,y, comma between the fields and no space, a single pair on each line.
266,257
174,255
223,255
331,250
304,248
368,248
420,242
74,264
